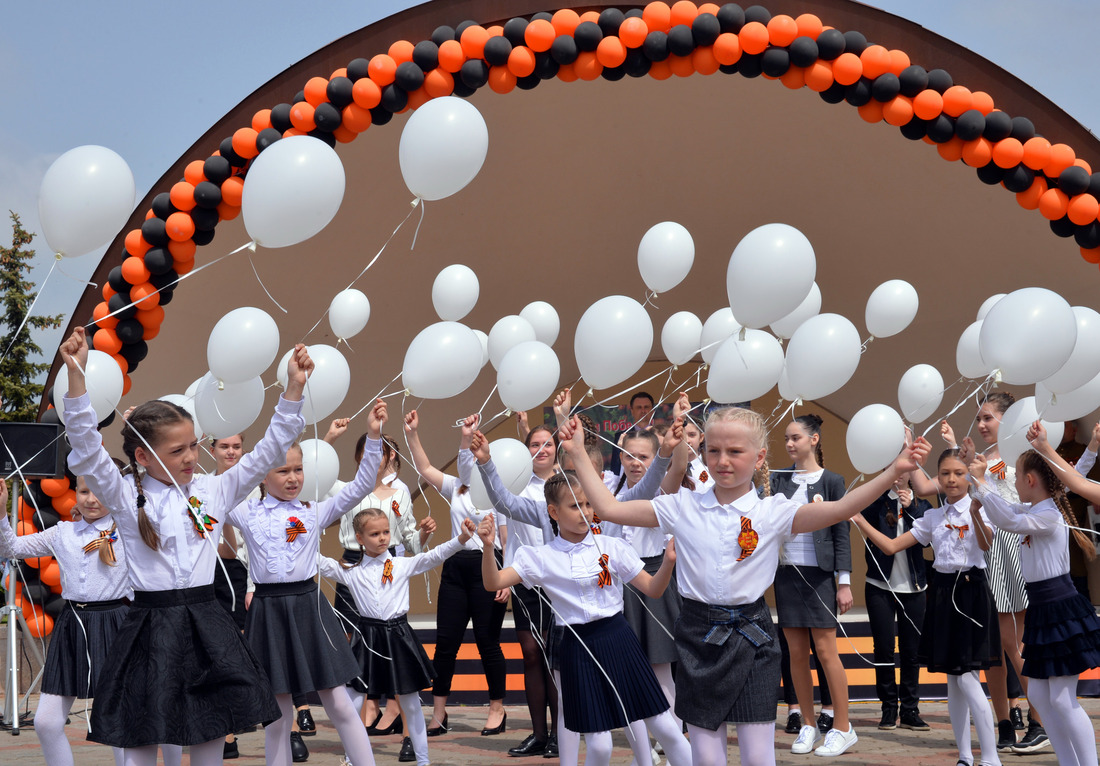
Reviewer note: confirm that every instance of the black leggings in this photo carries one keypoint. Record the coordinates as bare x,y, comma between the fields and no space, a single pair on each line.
901,617
462,596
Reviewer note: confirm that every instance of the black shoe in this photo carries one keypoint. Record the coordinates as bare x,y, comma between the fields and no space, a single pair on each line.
910,719
306,726
496,729
530,746
230,751
551,750
247,730
394,728
1017,717
824,723
794,723
298,750
408,755
889,718
1006,735
1034,739
435,731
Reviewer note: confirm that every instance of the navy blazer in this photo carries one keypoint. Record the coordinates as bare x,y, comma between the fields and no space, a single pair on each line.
875,514
832,544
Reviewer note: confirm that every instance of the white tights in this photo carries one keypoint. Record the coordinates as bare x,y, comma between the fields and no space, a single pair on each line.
569,742
756,741
206,754
966,700
49,724
414,720
342,713
1066,722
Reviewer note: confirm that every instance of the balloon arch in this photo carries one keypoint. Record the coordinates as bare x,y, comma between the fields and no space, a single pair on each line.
657,41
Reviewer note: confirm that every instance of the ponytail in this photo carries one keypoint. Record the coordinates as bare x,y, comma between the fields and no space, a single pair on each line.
762,478
149,534
812,424
1032,461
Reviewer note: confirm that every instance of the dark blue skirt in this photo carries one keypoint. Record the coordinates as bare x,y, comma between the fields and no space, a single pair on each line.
593,702
1061,630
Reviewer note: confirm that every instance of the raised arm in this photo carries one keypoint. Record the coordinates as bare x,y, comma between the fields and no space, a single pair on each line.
637,513
332,569
423,465
494,578
1037,436
1001,512
654,585
336,429
506,503
352,493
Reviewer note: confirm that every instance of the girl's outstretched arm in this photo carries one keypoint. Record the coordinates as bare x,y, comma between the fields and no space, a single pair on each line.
494,577
636,513
654,585
888,545
981,529
1037,436
423,465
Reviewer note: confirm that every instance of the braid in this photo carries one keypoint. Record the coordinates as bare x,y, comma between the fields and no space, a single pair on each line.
149,534
812,424
263,491
762,478
141,429
1032,461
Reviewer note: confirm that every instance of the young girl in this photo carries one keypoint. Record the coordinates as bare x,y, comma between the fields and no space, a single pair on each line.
390,659
959,636
583,575
697,468
295,636
461,597
729,539
1061,631
180,672
805,591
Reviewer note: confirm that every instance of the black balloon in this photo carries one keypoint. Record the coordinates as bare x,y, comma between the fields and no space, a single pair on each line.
990,174
158,260
35,592
564,50
939,80
299,97
830,44
1063,227
135,352
1074,180
727,68
757,13
322,135
915,129
267,137
163,280
775,62
731,17
655,46
854,42
162,206
803,51
204,218
360,67
121,303
280,119
610,21
474,73
588,36
545,66
998,126
497,50
1018,179
394,98
117,282
941,129
613,74
462,27
636,64
834,94
218,169
970,125
129,330
885,87
750,66
913,79
515,30
1094,185
426,55
440,35
528,82
1023,129
680,40
49,416
339,91
409,76
705,29
208,195
55,605
633,13
166,296
1088,236
154,232
202,238
226,149
461,90
859,92
46,517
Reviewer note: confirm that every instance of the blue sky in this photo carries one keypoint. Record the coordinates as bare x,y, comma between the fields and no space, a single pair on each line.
147,79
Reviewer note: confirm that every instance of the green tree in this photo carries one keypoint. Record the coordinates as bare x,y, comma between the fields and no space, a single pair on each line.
19,392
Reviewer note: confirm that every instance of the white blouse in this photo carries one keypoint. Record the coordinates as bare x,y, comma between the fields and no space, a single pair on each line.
185,523
1044,536
84,576
950,531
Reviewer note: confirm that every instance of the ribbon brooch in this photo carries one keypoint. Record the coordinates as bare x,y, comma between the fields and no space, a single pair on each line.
105,540
748,539
1026,541
961,528
294,528
595,525
703,476
999,469
605,575
202,521
396,508
387,572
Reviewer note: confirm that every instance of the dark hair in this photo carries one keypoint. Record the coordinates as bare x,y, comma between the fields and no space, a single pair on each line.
391,453
947,454
590,429
145,425
1032,462
556,485
541,427
215,439
642,395
642,435
812,424
1001,400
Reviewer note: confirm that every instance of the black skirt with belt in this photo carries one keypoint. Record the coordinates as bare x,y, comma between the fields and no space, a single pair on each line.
84,632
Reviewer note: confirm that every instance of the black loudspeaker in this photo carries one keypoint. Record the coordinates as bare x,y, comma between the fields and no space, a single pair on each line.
35,447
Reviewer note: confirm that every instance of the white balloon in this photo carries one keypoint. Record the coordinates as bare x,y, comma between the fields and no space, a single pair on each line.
968,354
242,345
544,318
742,370
920,392
1028,335
193,389
822,355
613,340
719,326
665,256
876,434
187,403
1084,362
681,337
84,200
442,361
508,332
528,375
230,408
455,292
1012,433
104,381
320,469
513,463
989,303
1068,406
484,346
292,190
769,274
785,391
891,308
348,313
443,146
327,385
809,307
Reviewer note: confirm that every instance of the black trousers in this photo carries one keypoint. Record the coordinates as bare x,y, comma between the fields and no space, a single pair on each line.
889,618
461,598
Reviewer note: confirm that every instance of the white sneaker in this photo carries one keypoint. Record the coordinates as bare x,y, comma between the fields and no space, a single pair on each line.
808,736
655,755
837,742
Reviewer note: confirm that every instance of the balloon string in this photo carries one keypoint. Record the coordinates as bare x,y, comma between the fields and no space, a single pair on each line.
30,309
269,295
962,400
74,278
781,418
615,397
650,295
415,203
381,395
936,421
863,346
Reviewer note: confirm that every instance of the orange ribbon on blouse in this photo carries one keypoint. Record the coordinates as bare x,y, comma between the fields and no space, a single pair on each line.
605,574
999,469
396,508
962,529
387,572
105,540
295,527
748,539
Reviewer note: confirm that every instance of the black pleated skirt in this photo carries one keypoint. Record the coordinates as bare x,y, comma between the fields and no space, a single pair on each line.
1061,630
297,638
652,619
82,632
179,673
390,658
960,631
593,702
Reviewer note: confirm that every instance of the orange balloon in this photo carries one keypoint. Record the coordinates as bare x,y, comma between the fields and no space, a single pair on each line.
451,59
876,61
122,363
794,78
417,99
1061,157
107,341
660,70
100,315
754,38
193,173
473,42
149,213
952,150
593,16
727,48
400,51
567,73
134,271
65,503
501,80
809,25
899,61
50,574
819,76
1053,204
316,91
1092,255
26,510
982,101
151,332
610,52
182,195
1084,165
1082,209
632,32
181,251
498,31
136,244
24,528
871,111
977,153
1029,199
782,30
151,317
1008,153
108,292
682,12
681,66
366,94
38,562
898,111
39,624
703,60
54,487
928,104
956,100
711,8
261,120
244,141
847,68
564,21
438,82
382,69
357,119
180,226
587,66
301,116
658,17
145,295
539,35
1036,152
127,384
